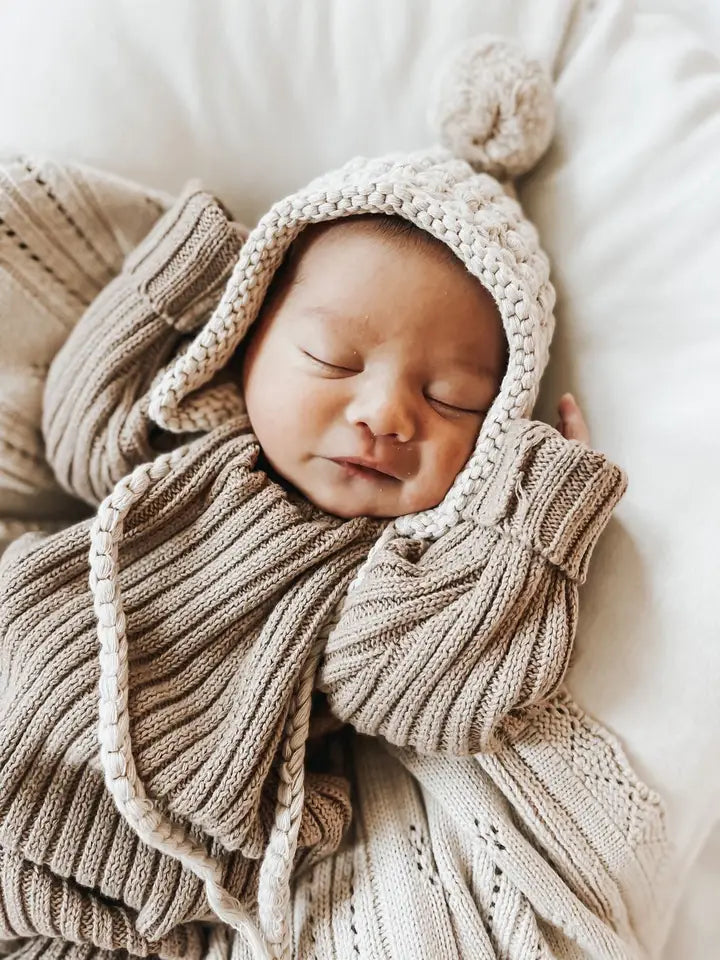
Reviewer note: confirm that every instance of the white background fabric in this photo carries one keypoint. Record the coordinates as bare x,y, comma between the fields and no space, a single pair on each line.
258,98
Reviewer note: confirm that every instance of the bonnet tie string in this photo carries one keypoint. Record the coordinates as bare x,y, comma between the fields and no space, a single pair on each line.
276,869
116,754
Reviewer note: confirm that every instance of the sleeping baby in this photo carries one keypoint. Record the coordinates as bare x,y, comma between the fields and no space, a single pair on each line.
372,365
317,489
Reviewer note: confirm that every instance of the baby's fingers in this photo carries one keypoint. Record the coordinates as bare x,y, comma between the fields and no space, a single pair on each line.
572,423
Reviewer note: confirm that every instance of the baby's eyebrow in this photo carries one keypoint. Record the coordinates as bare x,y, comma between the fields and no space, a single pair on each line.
476,366
337,317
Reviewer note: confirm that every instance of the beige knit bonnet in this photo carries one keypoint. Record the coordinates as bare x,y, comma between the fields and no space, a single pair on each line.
493,112
492,109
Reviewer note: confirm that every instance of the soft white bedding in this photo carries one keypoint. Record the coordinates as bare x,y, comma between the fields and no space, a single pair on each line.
257,98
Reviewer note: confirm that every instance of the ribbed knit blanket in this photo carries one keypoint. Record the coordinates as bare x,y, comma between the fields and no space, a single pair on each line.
411,751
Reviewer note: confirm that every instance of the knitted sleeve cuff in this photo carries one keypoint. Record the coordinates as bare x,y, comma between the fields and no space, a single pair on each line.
552,494
184,262
440,641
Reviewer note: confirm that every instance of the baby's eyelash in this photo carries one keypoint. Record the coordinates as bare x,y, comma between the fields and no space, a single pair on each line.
450,406
324,363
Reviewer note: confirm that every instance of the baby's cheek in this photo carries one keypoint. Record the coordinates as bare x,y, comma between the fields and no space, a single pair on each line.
272,413
297,418
450,456
314,408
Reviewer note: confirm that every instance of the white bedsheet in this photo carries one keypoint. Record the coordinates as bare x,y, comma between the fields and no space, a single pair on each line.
256,98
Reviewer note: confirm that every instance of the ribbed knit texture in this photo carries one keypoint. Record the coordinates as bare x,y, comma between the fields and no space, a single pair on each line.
97,427
225,586
490,816
441,641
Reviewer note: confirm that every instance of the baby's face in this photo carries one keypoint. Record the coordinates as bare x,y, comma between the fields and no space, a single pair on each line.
382,351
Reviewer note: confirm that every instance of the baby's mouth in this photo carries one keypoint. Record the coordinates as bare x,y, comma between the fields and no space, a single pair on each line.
362,471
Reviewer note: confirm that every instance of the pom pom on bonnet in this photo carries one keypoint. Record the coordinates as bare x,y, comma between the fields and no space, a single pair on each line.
492,111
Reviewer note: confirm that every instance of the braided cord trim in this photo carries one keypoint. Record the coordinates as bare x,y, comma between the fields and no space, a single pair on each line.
116,754
277,865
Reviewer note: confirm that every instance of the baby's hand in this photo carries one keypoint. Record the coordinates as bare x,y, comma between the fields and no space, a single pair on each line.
572,423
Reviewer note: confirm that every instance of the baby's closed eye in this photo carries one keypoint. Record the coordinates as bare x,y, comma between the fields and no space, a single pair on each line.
326,363
458,401
472,411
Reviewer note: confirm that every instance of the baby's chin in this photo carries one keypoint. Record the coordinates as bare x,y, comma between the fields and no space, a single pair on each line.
343,504
352,497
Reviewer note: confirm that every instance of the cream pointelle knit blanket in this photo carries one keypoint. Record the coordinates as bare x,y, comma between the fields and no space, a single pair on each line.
460,804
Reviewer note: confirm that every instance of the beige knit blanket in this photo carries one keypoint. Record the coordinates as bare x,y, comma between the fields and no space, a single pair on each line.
226,604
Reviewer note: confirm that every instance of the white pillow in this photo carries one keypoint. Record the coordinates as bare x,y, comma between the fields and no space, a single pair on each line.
629,205
258,98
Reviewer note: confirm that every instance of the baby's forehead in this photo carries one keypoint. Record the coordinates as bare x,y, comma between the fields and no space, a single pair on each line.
380,238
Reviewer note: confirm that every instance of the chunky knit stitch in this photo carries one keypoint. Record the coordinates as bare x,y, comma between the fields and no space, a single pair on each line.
469,809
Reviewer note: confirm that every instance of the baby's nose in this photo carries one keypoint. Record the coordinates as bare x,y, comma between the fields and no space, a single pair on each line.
386,413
